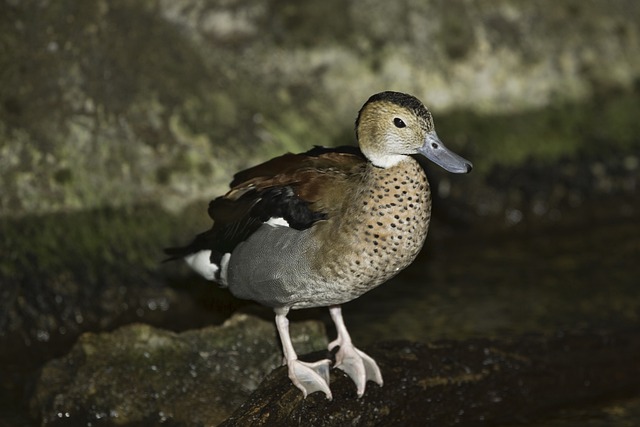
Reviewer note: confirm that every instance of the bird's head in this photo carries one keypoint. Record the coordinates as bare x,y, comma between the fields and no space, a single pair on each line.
393,125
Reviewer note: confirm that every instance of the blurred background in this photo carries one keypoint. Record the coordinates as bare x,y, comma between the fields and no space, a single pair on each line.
120,120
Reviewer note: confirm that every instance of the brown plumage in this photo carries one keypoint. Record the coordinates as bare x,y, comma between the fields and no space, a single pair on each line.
323,227
295,187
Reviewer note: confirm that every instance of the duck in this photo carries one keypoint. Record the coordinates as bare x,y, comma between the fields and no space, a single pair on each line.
321,228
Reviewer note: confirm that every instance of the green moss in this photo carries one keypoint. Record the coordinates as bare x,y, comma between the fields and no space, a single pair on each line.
293,132
89,244
600,126
309,23
88,117
456,31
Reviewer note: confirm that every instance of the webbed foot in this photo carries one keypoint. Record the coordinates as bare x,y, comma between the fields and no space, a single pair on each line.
310,377
356,363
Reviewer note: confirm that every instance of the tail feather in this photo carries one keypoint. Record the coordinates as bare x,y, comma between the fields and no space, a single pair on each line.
177,252
203,241
204,261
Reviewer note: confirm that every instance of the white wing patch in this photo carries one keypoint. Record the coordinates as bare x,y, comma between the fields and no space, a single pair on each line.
201,263
277,222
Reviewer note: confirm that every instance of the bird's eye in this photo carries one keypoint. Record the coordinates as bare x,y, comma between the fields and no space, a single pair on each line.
398,122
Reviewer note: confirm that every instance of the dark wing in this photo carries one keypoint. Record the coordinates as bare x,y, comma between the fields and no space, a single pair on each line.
294,187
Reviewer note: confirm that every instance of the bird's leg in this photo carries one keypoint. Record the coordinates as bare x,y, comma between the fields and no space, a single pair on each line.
357,364
308,377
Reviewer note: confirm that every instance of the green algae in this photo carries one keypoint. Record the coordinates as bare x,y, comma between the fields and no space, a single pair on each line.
121,103
70,272
600,126
107,238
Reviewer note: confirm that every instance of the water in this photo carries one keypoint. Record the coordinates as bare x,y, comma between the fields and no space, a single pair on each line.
475,284
478,284
616,413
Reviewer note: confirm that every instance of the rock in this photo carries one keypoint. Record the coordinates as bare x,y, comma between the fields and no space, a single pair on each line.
471,383
68,273
110,103
139,374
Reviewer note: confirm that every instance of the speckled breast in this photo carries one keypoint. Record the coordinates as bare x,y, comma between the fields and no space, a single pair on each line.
381,232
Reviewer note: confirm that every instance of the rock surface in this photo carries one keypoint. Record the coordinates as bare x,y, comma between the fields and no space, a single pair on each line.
470,383
120,102
139,374
68,273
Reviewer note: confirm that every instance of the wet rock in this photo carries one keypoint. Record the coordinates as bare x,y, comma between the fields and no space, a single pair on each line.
68,273
140,374
470,383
